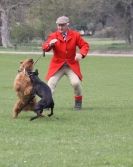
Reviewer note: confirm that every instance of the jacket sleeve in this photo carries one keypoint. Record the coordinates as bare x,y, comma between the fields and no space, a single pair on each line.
45,46
83,45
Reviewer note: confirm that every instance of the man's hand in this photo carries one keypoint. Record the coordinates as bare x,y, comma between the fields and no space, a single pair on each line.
78,57
52,42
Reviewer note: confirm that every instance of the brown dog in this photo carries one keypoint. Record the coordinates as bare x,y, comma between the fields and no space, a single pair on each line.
23,87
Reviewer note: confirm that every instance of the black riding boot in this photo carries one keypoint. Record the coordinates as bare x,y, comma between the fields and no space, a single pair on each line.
78,105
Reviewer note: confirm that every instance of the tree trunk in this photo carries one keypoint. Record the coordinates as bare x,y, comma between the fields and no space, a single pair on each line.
0,30
129,23
5,36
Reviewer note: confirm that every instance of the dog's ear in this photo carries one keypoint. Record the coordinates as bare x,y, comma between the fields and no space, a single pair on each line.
31,60
36,72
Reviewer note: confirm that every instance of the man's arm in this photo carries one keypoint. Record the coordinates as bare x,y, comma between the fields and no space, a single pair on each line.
83,45
49,43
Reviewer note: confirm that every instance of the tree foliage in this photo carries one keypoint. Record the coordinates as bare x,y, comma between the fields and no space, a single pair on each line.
6,9
86,15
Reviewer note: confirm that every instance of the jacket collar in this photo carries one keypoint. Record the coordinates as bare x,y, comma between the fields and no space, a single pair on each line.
60,37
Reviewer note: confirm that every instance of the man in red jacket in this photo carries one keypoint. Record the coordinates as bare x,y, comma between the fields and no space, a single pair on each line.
65,60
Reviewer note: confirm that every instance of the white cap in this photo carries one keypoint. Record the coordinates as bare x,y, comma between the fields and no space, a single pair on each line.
62,20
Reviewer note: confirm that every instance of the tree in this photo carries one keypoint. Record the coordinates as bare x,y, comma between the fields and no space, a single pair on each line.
124,12
6,8
43,16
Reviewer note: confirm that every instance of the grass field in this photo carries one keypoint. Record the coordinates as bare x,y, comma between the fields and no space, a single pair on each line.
109,45
97,44
101,135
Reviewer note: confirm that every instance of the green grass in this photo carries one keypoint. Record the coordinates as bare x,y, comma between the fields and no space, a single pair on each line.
101,135
109,45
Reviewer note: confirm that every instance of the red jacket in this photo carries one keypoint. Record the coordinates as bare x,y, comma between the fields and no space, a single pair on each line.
65,51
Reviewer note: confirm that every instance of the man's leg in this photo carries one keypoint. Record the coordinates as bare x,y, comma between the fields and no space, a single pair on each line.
52,82
76,84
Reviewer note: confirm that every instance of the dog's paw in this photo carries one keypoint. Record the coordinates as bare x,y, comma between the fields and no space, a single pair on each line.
49,115
14,115
32,118
37,116
41,115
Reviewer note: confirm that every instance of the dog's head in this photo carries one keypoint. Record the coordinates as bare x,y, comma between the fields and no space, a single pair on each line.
26,65
33,74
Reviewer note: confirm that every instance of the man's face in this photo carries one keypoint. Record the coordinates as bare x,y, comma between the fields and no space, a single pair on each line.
62,27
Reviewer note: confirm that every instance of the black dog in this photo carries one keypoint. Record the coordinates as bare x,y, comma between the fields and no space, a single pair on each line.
43,91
